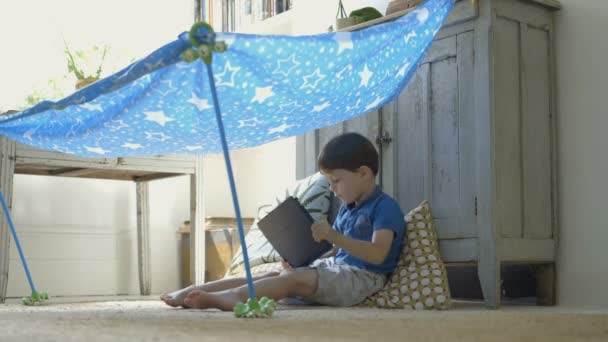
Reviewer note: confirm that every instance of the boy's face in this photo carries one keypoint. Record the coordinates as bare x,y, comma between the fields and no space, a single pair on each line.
348,186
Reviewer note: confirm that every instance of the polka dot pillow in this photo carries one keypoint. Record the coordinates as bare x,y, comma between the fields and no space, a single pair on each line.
420,280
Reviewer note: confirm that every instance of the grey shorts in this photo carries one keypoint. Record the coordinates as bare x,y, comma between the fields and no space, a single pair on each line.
344,285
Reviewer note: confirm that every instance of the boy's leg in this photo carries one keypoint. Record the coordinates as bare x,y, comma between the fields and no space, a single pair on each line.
176,298
303,283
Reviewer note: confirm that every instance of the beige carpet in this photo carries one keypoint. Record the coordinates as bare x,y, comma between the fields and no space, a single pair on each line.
153,321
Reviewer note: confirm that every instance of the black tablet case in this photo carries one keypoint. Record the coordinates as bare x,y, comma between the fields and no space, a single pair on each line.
287,228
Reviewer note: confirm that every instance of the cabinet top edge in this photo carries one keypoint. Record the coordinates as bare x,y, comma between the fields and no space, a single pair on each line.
551,4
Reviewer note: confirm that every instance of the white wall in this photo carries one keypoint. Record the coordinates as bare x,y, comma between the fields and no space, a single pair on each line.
79,235
260,174
582,52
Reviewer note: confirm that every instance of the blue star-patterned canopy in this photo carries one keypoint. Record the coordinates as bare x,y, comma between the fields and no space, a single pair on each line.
269,87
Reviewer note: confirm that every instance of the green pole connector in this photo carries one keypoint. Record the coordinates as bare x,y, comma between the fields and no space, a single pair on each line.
203,50
255,309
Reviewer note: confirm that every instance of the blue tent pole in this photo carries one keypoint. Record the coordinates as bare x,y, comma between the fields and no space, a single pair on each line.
21,255
235,200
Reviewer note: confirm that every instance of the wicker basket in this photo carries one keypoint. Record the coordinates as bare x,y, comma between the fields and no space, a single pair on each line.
400,5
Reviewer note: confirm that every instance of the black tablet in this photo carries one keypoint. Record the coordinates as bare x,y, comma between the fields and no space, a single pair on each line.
287,228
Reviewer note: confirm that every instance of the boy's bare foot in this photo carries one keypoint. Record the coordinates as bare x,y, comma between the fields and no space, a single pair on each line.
224,300
176,298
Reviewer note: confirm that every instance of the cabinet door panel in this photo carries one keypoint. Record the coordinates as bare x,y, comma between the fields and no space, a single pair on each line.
412,148
436,137
507,133
444,119
327,133
522,128
366,125
467,139
536,134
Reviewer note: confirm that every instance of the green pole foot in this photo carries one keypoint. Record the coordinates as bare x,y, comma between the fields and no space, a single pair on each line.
253,309
37,298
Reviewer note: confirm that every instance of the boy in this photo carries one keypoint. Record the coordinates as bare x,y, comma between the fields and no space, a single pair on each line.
367,232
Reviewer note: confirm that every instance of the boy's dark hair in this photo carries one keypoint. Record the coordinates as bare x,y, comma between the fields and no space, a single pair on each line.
348,151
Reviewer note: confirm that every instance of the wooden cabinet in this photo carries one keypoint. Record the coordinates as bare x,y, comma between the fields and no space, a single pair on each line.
474,133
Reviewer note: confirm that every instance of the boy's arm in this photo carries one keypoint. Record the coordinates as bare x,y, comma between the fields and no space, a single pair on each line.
373,252
332,252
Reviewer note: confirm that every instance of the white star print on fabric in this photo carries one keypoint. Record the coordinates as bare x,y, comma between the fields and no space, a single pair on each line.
194,147
279,129
115,125
320,107
97,150
201,104
365,76
422,15
158,136
285,66
166,92
289,107
344,41
28,133
409,36
132,146
339,74
249,122
158,117
374,104
268,87
226,78
262,94
402,70
169,84
90,106
315,76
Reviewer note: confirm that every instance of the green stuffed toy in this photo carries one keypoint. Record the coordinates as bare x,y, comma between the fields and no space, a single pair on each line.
254,309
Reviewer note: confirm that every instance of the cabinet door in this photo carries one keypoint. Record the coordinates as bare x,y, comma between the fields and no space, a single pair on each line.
434,138
523,134
310,144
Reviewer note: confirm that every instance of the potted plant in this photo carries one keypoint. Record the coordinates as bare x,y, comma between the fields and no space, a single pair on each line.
356,17
86,65
342,20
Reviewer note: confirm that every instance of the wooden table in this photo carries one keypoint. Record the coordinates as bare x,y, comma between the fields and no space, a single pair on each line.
16,158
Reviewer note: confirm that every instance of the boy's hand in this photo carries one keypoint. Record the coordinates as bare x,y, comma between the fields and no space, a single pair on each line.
322,230
286,265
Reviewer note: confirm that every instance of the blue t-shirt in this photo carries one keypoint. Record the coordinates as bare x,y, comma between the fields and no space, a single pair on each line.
379,211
